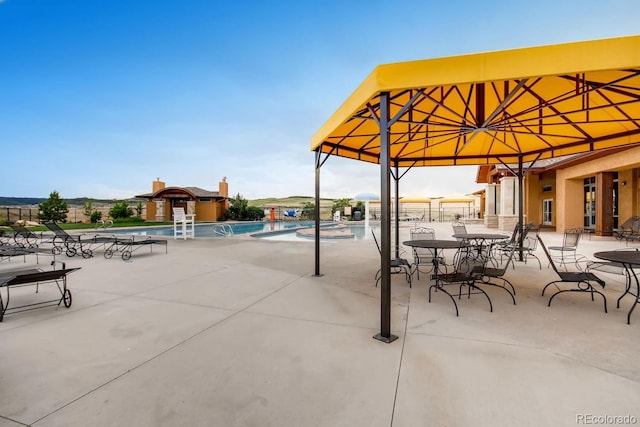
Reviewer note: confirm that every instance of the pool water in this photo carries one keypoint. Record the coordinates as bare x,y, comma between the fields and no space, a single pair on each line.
277,230
220,229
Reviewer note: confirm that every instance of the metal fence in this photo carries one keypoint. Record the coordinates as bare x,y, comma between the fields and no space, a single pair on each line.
30,213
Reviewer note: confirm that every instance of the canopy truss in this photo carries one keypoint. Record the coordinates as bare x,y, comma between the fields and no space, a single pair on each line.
489,118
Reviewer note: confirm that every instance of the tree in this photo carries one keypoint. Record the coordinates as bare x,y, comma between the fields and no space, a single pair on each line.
121,210
90,212
339,204
238,207
308,211
87,209
54,209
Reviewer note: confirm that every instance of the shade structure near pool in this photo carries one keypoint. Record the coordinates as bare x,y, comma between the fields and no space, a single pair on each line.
506,107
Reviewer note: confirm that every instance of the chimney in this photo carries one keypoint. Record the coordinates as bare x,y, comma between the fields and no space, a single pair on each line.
158,185
223,187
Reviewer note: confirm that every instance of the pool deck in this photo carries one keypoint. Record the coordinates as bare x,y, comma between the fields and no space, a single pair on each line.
238,332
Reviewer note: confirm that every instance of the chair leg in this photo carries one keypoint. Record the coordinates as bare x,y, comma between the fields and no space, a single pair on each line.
471,285
591,290
485,281
441,288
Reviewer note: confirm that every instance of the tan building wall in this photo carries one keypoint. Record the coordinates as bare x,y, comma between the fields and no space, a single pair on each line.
570,187
205,208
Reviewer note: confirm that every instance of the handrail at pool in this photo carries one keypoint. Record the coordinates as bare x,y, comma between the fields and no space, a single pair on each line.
222,230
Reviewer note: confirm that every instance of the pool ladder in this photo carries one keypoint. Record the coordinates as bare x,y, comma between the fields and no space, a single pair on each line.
222,230
101,224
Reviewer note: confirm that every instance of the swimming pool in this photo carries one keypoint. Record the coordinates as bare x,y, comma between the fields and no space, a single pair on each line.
221,229
277,230
356,231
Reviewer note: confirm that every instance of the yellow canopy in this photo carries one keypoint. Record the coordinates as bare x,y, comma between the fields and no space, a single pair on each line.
414,198
486,108
457,198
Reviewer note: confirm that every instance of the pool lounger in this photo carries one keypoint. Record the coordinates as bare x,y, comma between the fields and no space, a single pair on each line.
34,277
8,252
128,244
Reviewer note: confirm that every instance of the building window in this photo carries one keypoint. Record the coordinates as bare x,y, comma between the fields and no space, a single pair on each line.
205,199
547,210
547,188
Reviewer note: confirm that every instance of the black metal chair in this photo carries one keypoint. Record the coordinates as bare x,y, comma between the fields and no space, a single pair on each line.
399,264
528,247
581,279
489,275
568,249
423,258
464,277
459,228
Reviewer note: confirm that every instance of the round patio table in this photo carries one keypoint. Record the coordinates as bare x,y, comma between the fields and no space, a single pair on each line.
480,240
628,259
435,244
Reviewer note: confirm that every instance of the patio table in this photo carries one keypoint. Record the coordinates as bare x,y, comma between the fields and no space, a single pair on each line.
628,259
435,244
480,240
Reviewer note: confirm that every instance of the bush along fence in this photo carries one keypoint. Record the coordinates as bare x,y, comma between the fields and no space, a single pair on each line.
75,214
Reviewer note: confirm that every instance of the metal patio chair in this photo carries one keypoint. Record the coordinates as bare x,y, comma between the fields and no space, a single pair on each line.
568,250
465,275
399,264
581,279
423,258
494,276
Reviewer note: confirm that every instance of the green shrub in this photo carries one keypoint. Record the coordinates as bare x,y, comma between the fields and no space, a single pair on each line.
120,210
254,213
308,211
95,216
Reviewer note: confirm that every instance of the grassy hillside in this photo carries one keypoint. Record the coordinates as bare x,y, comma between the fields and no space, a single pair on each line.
289,202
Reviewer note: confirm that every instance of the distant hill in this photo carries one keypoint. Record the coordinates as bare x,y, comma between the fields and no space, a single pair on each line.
290,202
20,201
25,201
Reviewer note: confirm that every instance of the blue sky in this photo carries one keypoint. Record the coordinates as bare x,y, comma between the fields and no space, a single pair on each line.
99,98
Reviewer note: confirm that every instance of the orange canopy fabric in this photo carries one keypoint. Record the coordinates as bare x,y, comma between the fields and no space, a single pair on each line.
488,108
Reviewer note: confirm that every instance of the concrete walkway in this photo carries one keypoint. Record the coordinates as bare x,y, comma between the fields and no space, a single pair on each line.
238,332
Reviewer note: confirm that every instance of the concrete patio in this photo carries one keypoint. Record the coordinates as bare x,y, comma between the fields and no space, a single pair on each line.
238,332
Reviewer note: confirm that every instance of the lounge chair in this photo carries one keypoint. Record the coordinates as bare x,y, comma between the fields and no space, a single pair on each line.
35,276
128,244
581,279
74,244
26,238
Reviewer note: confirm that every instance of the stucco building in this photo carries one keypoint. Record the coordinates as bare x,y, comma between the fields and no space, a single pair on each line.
206,205
596,191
